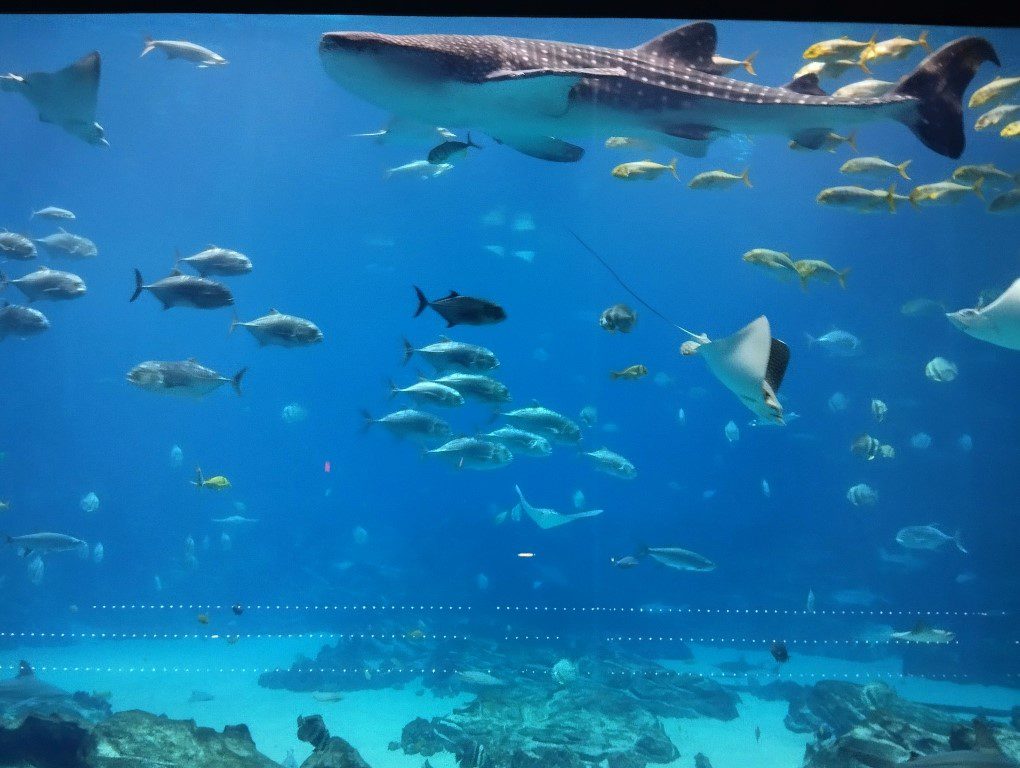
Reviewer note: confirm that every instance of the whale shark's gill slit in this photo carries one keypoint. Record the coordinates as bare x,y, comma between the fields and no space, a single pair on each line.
630,290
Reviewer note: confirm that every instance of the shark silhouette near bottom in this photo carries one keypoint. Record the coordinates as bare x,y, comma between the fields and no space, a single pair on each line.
66,97
530,94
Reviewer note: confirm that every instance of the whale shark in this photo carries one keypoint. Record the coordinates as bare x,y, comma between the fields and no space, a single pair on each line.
66,98
533,95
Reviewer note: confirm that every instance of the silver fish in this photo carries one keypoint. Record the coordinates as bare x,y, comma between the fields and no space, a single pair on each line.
47,285
185,378
44,543
63,243
280,330
681,559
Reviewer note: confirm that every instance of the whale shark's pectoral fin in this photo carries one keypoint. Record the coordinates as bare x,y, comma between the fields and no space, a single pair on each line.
546,90
806,85
543,147
694,44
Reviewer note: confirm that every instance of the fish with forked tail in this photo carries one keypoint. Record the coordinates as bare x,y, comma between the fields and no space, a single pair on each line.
462,310
178,289
529,94
185,378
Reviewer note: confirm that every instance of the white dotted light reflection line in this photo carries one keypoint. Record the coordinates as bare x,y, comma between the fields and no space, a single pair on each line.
545,609
422,637
368,671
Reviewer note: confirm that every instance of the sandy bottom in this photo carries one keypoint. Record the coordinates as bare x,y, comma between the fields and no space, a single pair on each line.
370,720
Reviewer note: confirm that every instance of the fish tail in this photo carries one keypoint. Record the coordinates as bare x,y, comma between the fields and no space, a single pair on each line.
672,168
977,187
902,168
922,40
367,420
408,351
804,282
614,375
748,64
959,543
890,198
234,322
199,481
863,64
422,301
139,282
938,84
842,277
744,177
810,340
470,143
149,47
393,389
235,382
851,140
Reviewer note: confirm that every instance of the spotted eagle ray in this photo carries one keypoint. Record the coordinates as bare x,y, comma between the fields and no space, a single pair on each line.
997,323
548,518
66,97
528,94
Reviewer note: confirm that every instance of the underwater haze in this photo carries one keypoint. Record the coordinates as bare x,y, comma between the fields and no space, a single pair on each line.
786,564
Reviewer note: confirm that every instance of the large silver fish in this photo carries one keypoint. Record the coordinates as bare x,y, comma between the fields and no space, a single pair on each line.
529,94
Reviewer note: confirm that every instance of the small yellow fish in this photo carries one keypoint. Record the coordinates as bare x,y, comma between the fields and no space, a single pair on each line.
718,180
809,268
217,483
1011,131
838,48
644,169
203,618
632,372
778,264
627,142
723,65
4,506
1004,113
830,143
995,92
969,174
896,48
944,192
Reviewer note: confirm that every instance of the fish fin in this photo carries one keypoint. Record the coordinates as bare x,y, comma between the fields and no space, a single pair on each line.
811,138
545,90
976,187
694,44
367,420
149,47
851,141
422,301
890,198
959,543
199,481
693,131
543,147
938,84
234,322
139,284
408,351
841,276
393,389
922,40
235,382
902,168
674,139
748,64
807,85
744,177
470,143
672,169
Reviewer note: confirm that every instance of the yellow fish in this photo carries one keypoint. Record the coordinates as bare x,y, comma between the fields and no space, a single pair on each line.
995,92
644,169
1011,131
808,268
838,48
896,48
944,192
724,66
718,179
217,483
633,372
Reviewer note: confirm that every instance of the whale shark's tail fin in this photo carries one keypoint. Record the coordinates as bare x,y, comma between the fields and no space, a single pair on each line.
939,82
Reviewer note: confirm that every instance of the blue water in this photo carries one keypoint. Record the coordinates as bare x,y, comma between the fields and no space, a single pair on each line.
257,156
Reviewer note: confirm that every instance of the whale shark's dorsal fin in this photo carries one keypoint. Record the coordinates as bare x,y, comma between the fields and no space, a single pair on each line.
694,44
806,84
